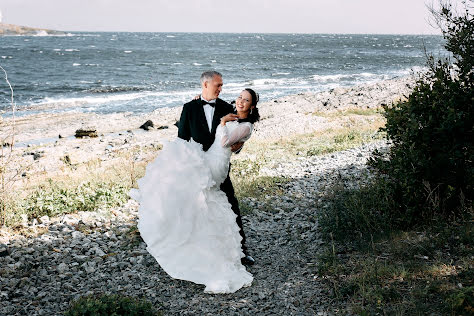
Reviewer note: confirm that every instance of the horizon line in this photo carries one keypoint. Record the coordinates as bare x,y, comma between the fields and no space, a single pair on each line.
225,32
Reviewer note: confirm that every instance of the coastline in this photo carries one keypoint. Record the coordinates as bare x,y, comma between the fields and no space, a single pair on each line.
41,151
34,128
85,252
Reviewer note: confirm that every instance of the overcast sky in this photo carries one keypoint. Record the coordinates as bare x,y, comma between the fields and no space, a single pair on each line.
274,16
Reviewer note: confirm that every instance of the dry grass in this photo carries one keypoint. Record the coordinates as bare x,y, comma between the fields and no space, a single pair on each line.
53,193
347,130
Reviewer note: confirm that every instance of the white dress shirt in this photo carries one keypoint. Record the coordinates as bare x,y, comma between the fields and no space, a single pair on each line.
209,112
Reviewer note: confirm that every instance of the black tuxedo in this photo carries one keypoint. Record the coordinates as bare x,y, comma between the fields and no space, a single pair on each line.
193,124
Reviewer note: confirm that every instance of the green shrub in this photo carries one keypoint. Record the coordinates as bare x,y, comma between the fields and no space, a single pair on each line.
430,164
110,305
357,214
55,199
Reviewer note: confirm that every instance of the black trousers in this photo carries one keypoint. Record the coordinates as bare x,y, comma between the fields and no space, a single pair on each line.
228,189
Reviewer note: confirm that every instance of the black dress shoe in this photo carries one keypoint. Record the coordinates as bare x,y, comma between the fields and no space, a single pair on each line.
247,260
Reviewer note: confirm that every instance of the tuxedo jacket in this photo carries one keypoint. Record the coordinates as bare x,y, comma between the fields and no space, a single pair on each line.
193,123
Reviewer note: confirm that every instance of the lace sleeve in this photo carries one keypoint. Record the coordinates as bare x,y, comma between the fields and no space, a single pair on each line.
231,136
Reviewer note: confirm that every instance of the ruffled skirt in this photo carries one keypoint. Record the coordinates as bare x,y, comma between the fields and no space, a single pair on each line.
187,221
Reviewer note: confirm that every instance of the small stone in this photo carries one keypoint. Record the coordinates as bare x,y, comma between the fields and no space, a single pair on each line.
70,220
44,219
147,125
24,220
99,252
77,235
4,250
62,267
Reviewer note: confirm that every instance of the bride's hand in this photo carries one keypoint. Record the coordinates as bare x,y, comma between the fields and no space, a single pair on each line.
229,117
197,97
236,147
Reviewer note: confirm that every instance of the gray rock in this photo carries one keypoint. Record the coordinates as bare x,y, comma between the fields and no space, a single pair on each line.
62,267
4,250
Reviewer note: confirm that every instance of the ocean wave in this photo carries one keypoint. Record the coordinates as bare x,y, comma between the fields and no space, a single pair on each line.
341,77
112,89
41,33
113,100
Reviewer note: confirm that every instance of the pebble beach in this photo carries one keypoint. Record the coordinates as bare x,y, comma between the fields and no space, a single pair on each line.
86,253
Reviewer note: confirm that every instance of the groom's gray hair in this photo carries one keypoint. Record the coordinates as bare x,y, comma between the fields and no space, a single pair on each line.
208,75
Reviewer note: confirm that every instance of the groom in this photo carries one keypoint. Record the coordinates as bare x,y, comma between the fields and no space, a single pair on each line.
199,121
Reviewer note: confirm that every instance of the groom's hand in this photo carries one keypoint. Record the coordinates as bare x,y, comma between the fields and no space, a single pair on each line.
236,147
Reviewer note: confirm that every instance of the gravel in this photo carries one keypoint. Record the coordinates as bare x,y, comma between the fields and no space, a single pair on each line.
93,253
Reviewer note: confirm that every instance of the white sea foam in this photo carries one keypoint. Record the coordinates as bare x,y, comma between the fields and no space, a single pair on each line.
197,64
115,100
71,50
170,36
41,33
76,64
127,51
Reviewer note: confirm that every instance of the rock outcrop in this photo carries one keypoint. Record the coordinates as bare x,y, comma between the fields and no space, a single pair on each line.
12,29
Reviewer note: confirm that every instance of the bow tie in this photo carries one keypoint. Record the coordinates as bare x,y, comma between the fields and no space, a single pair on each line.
204,102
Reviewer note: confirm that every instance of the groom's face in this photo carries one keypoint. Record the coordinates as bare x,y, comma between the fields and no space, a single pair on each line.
212,88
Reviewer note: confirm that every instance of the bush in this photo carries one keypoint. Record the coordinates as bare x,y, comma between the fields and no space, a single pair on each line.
110,305
429,165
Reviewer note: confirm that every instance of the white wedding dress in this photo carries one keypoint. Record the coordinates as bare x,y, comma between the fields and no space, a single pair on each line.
186,220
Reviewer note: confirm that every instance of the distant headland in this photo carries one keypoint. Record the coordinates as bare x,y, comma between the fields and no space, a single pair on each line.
12,29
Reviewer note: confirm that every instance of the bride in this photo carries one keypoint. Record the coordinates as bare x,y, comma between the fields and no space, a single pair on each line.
185,218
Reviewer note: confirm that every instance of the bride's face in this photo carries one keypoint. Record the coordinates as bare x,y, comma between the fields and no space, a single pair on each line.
243,102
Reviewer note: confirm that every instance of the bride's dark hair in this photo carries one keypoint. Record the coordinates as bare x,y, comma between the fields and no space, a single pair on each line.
253,116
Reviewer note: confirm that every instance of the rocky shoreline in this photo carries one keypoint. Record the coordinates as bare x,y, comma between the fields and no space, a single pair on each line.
12,29
44,140
91,253
60,259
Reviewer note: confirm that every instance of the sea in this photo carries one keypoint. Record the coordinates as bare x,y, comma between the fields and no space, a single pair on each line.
140,72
